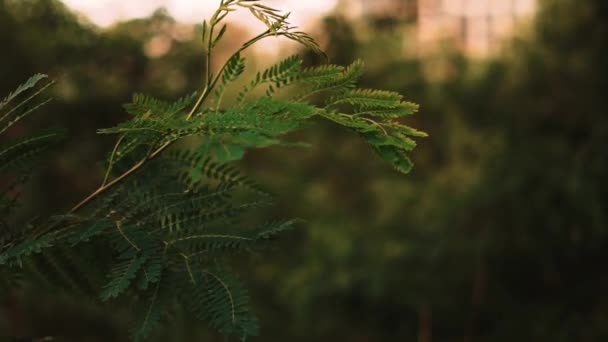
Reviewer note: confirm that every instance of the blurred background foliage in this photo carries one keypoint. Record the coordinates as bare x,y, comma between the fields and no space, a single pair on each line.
499,233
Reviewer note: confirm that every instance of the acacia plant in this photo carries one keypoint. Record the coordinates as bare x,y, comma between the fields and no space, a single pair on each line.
170,208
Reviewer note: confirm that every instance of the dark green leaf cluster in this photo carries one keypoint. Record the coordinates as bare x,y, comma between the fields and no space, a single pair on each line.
374,114
18,157
17,154
168,237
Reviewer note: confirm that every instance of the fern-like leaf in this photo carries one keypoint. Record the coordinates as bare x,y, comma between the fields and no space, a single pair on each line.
154,310
278,75
368,98
18,153
15,114
146,106
28,247
234,68
404,108
340,83
219,299
30,83
121,276
89,230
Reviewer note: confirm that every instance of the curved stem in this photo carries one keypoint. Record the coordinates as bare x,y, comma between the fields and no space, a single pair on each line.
198,103
213,82
104,188
105,179
126,174
250,42
205,93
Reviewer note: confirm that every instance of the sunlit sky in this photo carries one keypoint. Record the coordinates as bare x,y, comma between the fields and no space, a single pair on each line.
105,12
305,12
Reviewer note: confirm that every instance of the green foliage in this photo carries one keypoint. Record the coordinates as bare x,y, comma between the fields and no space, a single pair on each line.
18,158
222,300
19,153
166,218
278,75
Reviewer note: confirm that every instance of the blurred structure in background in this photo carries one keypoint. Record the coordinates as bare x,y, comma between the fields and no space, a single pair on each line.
394,8
476,27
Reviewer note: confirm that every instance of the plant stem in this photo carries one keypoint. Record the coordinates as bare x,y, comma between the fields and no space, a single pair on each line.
105,179
127,173
209,84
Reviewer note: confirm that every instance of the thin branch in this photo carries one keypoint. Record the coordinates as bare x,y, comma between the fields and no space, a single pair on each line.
26,100
205,93
211,85
105,179
118,226
126,174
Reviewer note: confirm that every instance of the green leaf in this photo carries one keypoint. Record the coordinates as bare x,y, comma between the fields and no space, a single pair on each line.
403,109
220,299
392,149
225,152
151,316
151,272
87,231
121,276
368,98
395,156
28,247
30,83
19,152
219,36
